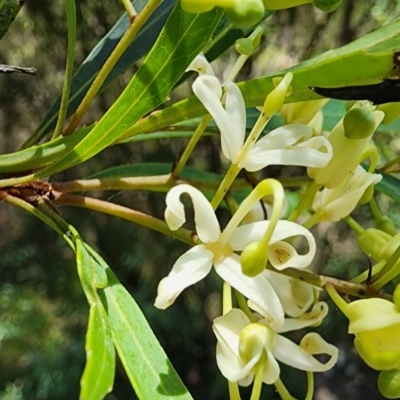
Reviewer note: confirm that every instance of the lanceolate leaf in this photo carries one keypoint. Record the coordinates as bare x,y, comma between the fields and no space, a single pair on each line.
98,376
148,368
91,66
389,185
364,61
183,37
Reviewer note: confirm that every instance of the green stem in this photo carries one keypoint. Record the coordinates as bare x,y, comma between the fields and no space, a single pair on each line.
190,146
129,9
233,391
283,392
119,50
390,271
242,302
157,183
376,212
354,225
128,214
314,219
310,386
336,298
71,22
225,185
364,275
257,385
305,201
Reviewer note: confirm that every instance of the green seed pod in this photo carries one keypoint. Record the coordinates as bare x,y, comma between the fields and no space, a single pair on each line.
327,5
359,123
389,383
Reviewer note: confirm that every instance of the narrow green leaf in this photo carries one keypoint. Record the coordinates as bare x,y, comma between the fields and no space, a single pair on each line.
39,156
364,61
71,22
182,38
98,56
148,368
98,377
389,185
8,11
153,169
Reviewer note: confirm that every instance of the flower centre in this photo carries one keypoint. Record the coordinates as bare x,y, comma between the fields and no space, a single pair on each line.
220,251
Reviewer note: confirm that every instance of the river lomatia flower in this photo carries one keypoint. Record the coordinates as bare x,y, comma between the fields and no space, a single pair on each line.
220,249
243,345
287,145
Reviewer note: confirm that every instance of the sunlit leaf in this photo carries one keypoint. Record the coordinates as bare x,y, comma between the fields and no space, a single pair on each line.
183,37
98,377
148,367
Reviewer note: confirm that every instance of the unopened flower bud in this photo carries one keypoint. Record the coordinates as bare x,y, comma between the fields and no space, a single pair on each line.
359,123
253,259
390,247
245,13
385,224
254,338
246,46
371,242
276,98
396,297
391,110
389,383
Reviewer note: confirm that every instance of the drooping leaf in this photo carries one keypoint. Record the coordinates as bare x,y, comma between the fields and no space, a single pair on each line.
98,56
98,377
183,37
148,367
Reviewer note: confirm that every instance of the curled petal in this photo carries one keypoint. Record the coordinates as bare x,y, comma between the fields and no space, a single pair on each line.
188,269
201,65
289,145
296,296
209,91
227,329
316,315
300,357
207,225
230,121
335,204
256,289
271,369
282,255
233,138
371,314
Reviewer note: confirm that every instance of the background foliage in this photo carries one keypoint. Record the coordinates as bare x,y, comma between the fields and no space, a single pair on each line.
42,307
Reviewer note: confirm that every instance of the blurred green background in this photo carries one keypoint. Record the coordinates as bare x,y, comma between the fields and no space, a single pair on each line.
43,312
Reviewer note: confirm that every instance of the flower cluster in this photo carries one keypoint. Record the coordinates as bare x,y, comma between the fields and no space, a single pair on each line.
249,254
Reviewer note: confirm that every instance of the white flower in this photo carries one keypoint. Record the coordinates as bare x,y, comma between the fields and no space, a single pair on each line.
218,250
237,359
287,145
337,203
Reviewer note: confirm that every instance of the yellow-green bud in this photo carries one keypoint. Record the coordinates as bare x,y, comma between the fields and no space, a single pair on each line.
197,6
391,110
245,13
390,247
386,225
367,195
327,5
254,339
389,383
371,242
359,123
253,259
246,46
396,297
